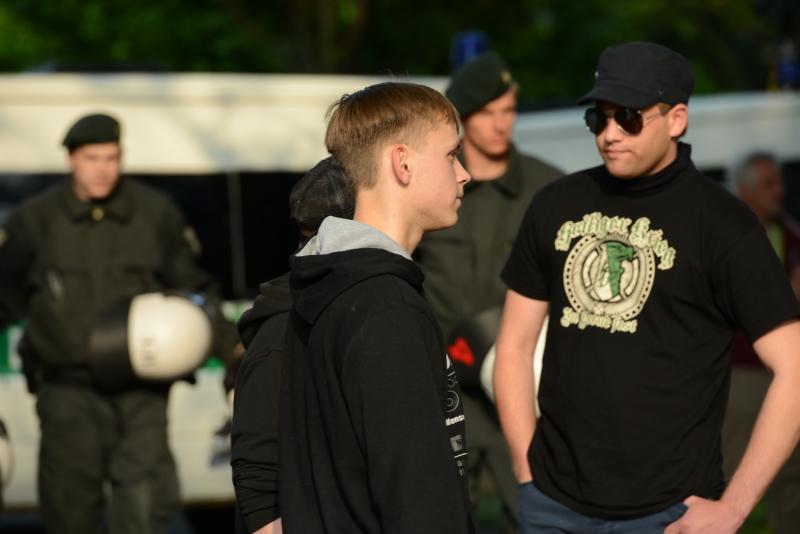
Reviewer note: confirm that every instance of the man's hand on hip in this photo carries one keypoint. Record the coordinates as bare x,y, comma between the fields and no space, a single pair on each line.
707,517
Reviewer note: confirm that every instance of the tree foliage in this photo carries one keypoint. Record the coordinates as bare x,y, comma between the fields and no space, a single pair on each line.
551,44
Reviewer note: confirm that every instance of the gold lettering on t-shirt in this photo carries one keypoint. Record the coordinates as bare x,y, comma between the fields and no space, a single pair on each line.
610,270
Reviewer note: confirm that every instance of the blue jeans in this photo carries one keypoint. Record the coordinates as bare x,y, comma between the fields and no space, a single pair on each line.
539,514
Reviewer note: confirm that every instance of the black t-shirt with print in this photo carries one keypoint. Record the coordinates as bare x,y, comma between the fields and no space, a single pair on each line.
647,281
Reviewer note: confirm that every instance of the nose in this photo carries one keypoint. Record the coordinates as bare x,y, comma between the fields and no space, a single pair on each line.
497,121
501,123
461,173
612,131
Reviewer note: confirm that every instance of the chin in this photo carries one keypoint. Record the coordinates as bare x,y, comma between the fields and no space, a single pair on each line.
498,151
618,171
445,223
99,193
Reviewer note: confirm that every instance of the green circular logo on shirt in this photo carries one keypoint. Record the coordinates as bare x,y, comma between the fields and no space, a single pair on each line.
609,276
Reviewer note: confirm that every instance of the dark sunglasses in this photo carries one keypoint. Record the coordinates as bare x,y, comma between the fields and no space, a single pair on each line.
629,120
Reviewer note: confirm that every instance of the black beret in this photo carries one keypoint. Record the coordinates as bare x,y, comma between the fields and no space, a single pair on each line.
478,82
639,74
95,128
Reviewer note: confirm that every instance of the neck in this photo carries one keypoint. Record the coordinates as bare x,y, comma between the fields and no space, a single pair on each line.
669,157
79,193
483,166
388,220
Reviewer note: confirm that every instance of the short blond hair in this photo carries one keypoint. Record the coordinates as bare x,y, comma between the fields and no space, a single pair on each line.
391,112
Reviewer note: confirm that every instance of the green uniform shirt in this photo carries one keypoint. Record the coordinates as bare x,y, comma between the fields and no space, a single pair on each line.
462,264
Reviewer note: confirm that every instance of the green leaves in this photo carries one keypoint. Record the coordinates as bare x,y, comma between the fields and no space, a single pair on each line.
552,45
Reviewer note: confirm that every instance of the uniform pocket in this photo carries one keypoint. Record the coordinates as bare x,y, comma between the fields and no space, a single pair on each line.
131,276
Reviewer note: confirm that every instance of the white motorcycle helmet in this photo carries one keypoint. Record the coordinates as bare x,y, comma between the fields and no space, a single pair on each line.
152,338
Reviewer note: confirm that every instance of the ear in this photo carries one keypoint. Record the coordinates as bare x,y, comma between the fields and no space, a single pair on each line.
400,156
678,120
70,161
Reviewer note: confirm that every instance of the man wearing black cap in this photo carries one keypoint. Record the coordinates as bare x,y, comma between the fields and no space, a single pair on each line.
66,256
462,264
646,269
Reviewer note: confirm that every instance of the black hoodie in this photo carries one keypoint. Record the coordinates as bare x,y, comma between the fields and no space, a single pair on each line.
254,433
372,430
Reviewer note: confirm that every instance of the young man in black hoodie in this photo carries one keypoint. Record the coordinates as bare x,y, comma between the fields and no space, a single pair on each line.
322,192
647,268
371,429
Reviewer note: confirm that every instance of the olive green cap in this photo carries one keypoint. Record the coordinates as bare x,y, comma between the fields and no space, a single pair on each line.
478,82
95,128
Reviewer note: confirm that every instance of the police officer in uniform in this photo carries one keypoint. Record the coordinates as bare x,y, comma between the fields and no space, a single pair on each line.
462,264
66,256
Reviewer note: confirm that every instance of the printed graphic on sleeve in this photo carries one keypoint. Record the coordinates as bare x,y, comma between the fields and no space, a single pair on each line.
454,420
610,270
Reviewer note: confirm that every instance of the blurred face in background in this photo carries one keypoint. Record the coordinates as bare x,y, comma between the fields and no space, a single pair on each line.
764,191
95,170
488,130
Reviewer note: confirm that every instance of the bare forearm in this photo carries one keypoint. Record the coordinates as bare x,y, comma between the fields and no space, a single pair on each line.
514,384
774,437
514,387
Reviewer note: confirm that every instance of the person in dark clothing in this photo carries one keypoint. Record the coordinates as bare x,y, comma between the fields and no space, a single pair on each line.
322,192
371,428
256,396
646,268
462,264
67,256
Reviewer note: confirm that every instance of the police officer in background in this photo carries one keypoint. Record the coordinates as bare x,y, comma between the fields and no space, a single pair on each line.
66,256
462,264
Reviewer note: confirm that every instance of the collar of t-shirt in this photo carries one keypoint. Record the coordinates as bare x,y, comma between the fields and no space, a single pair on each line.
645,185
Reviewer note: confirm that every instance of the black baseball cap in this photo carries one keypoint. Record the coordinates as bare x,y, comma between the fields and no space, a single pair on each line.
478,82
639,74
90,129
